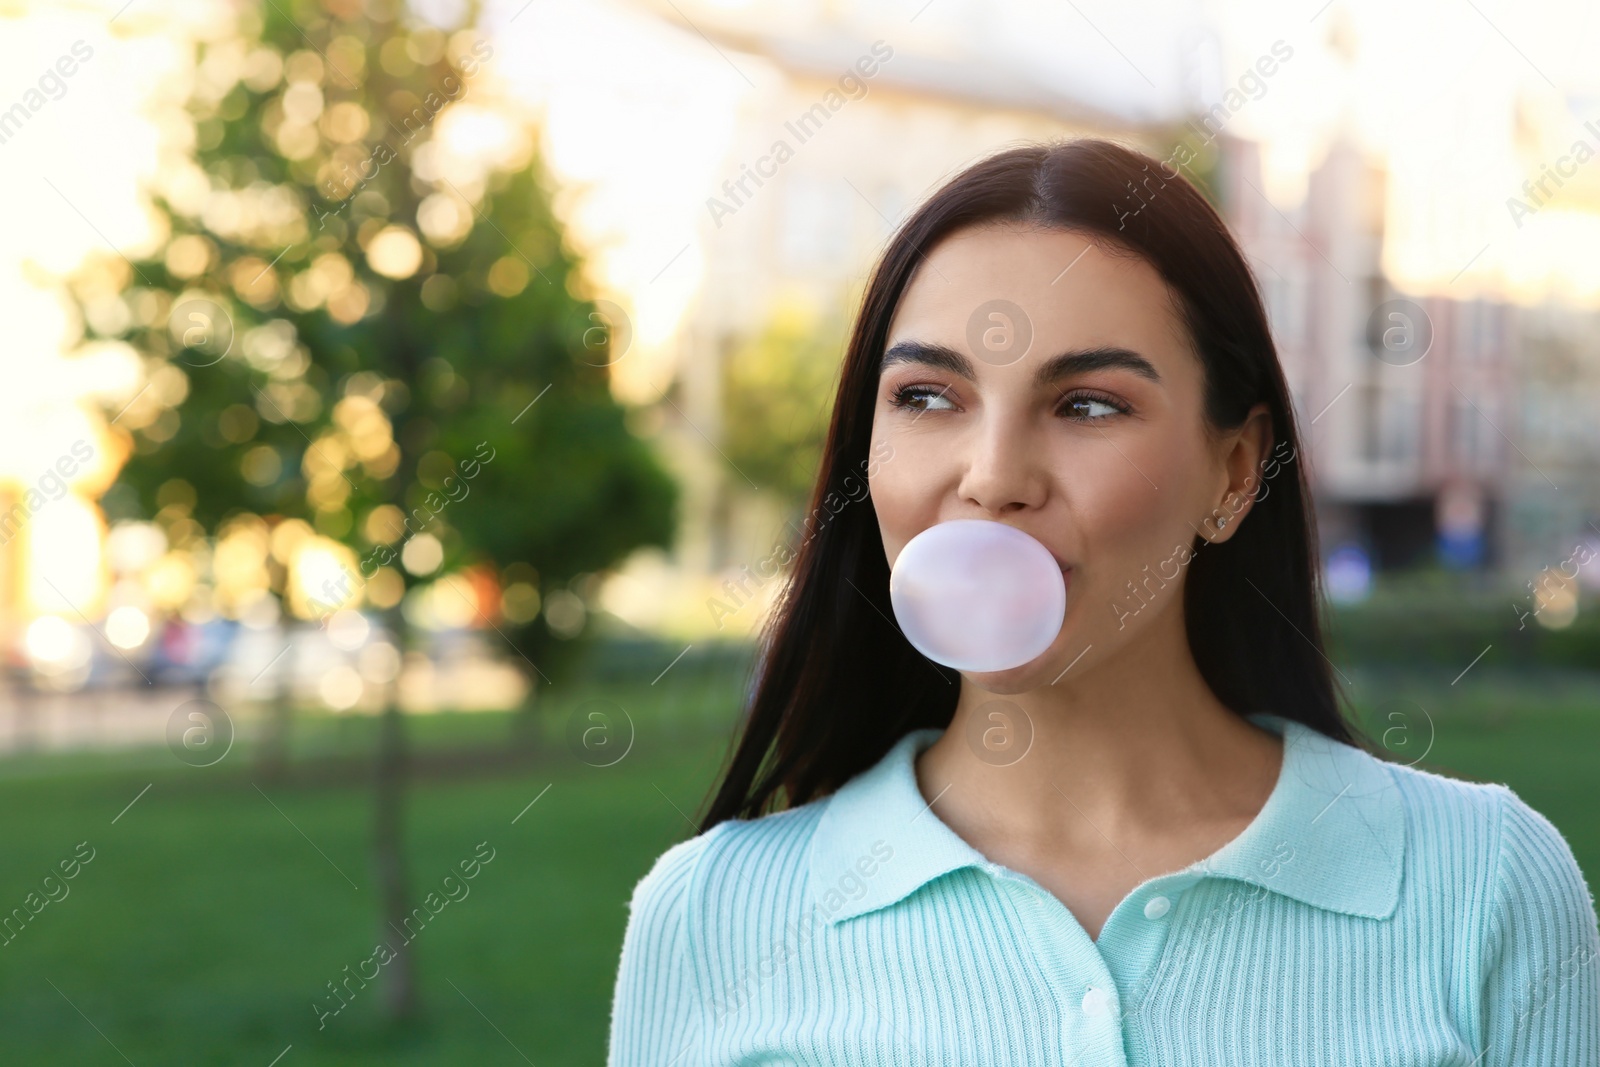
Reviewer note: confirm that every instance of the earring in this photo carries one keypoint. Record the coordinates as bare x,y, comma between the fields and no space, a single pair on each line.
1222,522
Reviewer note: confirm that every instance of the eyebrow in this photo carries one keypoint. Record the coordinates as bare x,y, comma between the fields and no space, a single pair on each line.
1066,364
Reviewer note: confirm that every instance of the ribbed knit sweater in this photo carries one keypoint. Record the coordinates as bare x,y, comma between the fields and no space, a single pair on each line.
1371,914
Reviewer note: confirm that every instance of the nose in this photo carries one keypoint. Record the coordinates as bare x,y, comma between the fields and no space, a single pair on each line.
1004,471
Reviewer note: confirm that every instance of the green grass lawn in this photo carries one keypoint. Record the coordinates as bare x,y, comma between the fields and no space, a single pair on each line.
206,924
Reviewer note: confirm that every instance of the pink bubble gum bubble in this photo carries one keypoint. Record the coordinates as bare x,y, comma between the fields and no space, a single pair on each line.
978,595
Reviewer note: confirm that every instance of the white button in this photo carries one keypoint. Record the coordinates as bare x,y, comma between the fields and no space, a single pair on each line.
1156,907
1095,1001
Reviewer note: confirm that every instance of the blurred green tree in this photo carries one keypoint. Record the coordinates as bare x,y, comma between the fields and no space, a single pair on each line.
359,322
777,398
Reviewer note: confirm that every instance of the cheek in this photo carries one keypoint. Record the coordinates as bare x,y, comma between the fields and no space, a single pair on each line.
897,505
905,491
1120,517
1134,509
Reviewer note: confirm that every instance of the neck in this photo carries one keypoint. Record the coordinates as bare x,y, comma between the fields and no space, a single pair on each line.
1117,750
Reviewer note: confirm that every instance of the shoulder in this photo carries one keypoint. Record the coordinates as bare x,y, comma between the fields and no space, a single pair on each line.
715,902
1466,809
1486,842
1537,878
762,859
1458,831
1455,813
691,919
667,881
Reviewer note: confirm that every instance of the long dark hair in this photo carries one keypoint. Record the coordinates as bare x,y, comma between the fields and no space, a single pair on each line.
837,684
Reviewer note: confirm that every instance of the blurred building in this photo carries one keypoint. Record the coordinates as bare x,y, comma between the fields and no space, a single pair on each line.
1555,483
1432,423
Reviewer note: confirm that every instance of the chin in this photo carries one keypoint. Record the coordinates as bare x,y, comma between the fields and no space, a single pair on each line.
1032,675
1006,683
1038,673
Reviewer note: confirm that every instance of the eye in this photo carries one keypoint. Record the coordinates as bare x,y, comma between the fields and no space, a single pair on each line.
922,398
1090,407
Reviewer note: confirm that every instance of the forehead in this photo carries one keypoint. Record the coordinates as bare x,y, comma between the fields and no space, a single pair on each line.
1075,292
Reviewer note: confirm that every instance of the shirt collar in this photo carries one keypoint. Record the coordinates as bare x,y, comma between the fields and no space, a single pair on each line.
1331,834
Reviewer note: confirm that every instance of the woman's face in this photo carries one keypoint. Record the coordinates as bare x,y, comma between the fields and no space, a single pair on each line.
1033,379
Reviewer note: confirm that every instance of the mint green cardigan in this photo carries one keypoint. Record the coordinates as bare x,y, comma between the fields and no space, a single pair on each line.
1371,914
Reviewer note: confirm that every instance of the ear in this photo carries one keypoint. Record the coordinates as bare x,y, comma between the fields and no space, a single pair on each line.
1244,454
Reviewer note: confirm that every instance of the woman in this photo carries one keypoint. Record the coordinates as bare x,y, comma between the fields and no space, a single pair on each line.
1158,842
